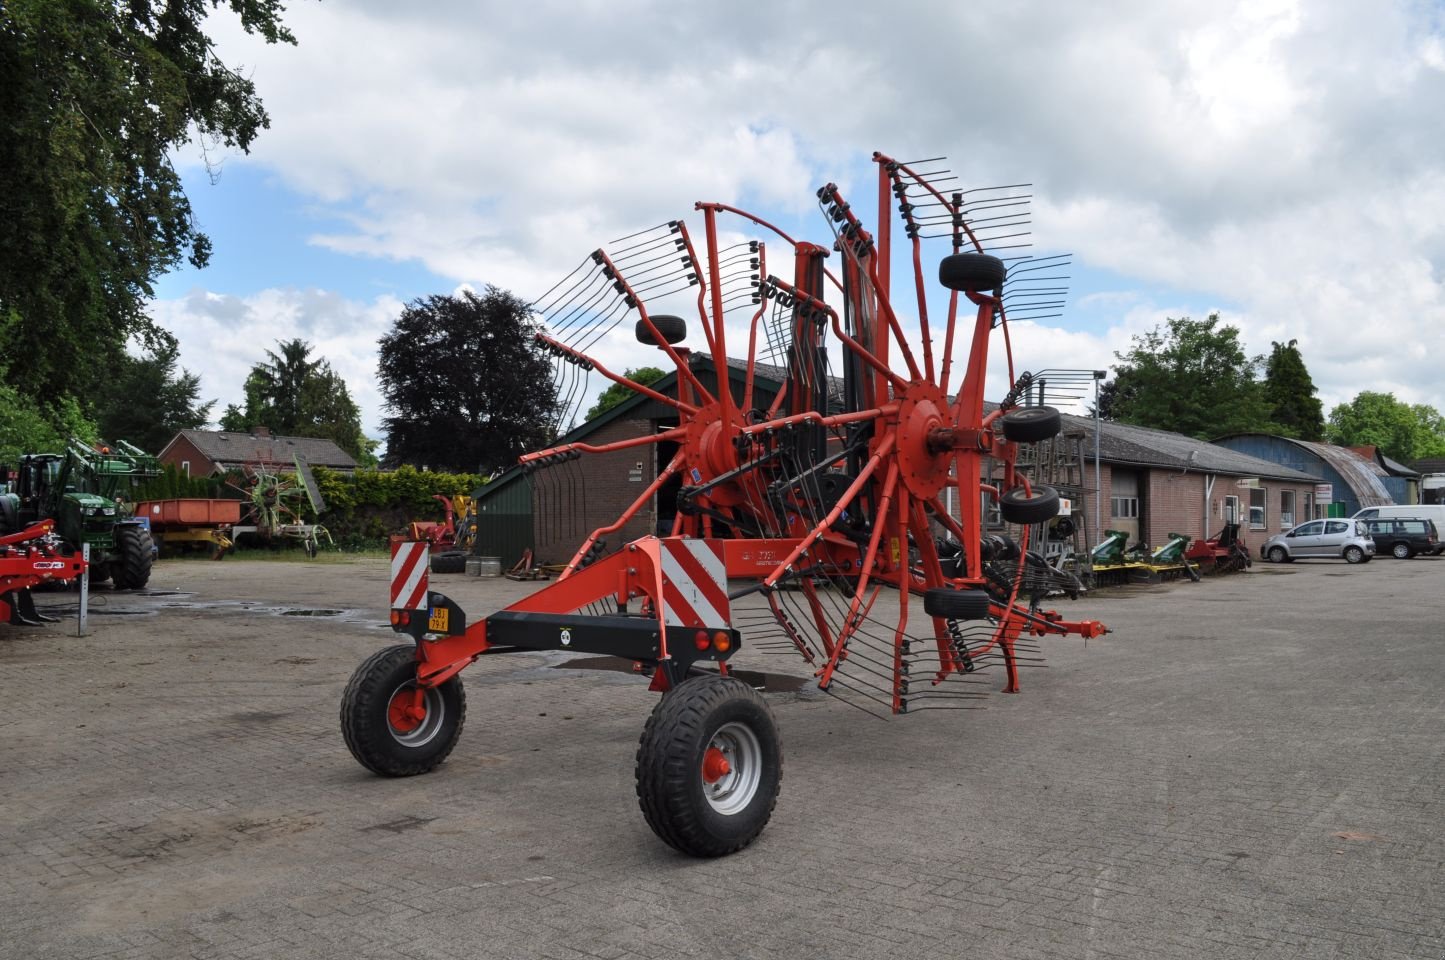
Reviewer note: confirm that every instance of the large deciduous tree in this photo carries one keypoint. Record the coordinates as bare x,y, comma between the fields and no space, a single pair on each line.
147,402
1191,377
294,394
1290,394
95,97
1401,431
468,388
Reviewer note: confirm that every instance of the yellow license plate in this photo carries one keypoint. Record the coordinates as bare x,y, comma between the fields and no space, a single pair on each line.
438,621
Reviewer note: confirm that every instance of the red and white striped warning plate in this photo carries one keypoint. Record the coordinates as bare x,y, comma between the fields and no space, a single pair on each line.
410,561
694,585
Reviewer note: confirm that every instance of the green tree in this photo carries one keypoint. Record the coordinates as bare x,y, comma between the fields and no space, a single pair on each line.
26,427
1191,377
1401,431
619,392
468,386
1290,394
147,402
95,98
293,394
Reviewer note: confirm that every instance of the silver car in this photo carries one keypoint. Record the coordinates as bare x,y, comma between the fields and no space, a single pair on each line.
1347,539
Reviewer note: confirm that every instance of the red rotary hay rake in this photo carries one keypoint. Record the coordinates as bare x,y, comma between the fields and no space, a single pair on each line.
812,520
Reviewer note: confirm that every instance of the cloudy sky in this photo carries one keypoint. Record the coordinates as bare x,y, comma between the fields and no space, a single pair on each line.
1280,162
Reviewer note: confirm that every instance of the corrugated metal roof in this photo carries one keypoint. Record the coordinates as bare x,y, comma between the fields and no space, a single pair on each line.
1359,473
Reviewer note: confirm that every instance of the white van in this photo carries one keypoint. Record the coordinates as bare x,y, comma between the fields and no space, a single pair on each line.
1427,511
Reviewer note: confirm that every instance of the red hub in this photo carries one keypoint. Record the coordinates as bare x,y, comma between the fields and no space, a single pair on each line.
715,765
407,710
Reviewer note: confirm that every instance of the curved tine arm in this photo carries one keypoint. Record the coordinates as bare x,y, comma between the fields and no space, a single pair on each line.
834,420
676,433
618,378
848,341
726,208
628,514
658,338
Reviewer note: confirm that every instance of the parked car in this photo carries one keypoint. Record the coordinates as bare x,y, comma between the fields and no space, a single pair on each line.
1409,511
1347,539
1403,537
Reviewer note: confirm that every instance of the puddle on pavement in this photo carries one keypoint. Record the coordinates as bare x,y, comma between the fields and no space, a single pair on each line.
767,682
312,613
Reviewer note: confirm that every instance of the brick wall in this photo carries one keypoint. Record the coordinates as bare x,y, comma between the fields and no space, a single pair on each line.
571,500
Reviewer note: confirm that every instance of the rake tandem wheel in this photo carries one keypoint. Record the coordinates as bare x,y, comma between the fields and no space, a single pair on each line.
811,521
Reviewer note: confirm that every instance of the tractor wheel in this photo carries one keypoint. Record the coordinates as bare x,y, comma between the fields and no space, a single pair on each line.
99,573
709,766
1032,424
955,604
449,561
1401,551
387,731
132,569
1354,555
673,329
1018,506
971,271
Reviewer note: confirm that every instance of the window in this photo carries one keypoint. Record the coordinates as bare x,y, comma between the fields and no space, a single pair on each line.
1311,529
1256,508
1337,526
186,467
1124,508
1286,509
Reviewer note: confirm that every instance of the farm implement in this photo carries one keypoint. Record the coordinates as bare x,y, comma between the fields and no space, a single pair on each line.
814,520
1223,553
29,558
1115,564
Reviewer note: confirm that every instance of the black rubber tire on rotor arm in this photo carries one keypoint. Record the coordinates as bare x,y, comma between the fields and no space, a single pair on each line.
669,766
971,271
132,568
1017,506
951,604
673,329
365,721
449,561
1032,424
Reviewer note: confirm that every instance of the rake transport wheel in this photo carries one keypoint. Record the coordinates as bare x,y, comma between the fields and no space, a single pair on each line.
1025,507
133,568
390,726
709,766
1031,424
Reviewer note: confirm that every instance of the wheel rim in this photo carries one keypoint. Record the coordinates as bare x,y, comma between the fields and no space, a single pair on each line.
1277,555
1401,551
404,726
732,768
1354,554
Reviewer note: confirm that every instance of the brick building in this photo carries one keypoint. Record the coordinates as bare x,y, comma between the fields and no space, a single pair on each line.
203,453
1154,483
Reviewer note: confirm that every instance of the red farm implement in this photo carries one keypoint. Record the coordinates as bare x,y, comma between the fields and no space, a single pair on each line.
1225,552
813,520
29,558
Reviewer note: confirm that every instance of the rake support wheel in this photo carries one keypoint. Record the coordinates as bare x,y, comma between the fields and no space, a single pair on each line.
1024,507
390,728
971,271
953,604
673,329
709,766
1032,424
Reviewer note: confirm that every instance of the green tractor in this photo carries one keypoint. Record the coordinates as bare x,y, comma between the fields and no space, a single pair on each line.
84,491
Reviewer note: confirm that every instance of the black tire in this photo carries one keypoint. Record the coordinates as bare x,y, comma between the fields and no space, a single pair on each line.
1018,506
673,329
1401,551
1354,555
966,604
99,573
971,271
1032,424
449,561
366,723
1278,555
132,567
701,715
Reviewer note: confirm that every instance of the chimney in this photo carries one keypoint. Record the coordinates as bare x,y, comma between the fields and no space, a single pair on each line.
263,433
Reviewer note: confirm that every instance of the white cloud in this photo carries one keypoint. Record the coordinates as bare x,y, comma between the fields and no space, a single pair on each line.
1276,156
